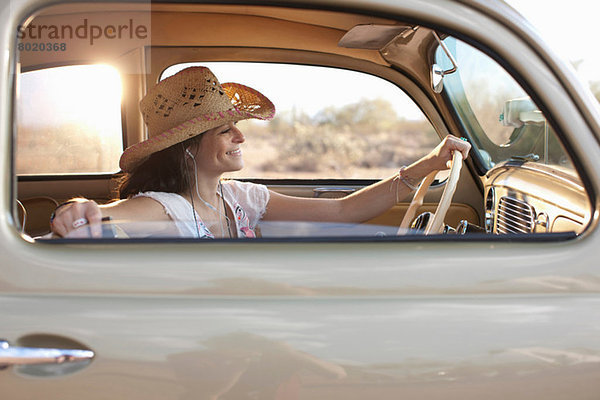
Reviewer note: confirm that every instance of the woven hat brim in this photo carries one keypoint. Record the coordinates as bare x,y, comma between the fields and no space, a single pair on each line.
247,103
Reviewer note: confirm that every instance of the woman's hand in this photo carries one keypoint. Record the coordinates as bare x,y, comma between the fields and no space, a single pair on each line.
75,214
440,158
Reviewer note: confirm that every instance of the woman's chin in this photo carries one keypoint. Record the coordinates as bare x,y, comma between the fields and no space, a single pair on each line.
234,167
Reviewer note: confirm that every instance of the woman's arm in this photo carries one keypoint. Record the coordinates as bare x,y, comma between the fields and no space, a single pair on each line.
136,209
370,201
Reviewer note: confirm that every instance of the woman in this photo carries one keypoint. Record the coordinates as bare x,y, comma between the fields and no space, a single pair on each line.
175,175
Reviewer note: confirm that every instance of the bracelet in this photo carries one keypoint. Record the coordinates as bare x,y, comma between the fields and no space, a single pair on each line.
59,206
405,180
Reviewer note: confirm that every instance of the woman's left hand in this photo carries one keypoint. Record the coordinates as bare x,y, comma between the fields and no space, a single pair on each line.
440,158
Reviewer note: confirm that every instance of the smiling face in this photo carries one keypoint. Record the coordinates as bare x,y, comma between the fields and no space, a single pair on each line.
220,151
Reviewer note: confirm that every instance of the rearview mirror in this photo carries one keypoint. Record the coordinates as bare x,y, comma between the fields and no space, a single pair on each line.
437,72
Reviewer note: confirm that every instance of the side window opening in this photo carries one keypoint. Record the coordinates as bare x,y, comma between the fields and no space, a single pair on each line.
69,121
325,128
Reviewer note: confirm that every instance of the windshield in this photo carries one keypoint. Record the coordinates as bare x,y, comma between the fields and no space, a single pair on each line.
503,122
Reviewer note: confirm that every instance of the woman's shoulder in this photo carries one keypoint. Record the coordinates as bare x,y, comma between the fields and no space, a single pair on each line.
239,186
145,206
247,190
247,194
160,197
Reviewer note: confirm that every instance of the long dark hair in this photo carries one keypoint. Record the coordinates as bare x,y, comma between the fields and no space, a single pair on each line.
164,171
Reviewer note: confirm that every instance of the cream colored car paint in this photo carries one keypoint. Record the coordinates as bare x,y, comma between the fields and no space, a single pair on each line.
421,319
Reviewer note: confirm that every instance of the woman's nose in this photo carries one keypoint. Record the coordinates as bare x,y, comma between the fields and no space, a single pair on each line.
238,136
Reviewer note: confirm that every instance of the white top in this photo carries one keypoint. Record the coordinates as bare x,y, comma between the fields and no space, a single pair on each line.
247,200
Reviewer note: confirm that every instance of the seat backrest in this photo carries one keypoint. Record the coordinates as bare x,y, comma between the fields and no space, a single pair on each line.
35,213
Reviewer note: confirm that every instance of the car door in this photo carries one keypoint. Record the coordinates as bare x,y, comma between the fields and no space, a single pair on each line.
446,316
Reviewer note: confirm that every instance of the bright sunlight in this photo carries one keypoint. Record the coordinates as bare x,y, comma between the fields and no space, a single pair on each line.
75,110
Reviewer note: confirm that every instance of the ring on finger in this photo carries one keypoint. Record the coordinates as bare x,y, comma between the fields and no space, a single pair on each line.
79,222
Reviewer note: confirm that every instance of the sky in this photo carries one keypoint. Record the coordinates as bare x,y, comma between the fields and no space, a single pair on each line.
569,29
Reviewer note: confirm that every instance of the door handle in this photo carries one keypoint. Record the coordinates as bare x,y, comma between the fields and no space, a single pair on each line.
14,355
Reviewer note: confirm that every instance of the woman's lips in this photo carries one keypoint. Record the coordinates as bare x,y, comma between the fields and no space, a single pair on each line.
235,153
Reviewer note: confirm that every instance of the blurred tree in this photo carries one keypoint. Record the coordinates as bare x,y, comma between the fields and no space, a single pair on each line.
366,134
367,115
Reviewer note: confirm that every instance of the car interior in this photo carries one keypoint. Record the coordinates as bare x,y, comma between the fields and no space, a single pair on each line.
520,180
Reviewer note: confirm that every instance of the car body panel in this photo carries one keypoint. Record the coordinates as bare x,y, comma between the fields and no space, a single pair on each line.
452,319
380,347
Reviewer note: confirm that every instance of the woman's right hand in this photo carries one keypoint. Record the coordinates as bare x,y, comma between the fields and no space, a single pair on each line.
74,214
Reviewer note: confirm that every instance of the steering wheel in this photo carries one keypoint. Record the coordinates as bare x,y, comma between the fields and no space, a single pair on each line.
436,222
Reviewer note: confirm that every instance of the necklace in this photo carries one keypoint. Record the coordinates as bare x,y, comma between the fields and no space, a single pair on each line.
207,204
218,211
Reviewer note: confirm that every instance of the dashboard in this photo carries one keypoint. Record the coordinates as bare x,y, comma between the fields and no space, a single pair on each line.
523,197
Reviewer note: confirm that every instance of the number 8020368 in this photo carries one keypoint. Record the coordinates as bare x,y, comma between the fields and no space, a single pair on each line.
42,46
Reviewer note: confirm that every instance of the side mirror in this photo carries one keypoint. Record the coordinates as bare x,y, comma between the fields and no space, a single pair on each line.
518,112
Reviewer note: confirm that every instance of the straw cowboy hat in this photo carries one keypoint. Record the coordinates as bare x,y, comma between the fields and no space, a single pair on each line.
188,104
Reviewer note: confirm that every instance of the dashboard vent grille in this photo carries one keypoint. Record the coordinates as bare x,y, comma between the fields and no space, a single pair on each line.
514,216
